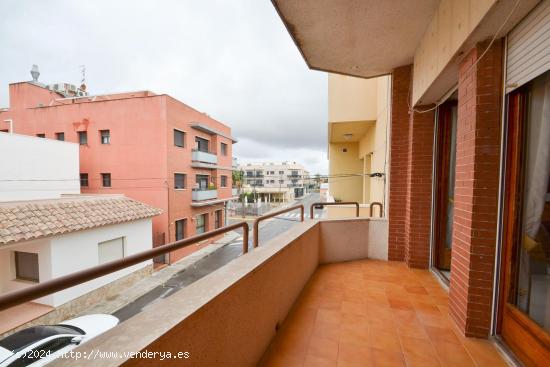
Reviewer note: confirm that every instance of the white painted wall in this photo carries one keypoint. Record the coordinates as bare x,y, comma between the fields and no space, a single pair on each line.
37,168
65,254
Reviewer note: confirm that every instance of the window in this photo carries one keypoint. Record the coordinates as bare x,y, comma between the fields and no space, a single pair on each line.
26,266
281,172
202,144
105,136
281,181
179,180
201,223
249,173
202,182
40,135
179,138
223,148
224,181
110,250
106,179
84,179
60,136
82,137
180,229
219,217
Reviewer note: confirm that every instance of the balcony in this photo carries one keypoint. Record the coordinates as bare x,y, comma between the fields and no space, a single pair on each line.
294,177
304,299
200,159
202,195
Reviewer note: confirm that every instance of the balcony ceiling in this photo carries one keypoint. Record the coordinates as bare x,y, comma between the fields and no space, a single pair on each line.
337,131
364,38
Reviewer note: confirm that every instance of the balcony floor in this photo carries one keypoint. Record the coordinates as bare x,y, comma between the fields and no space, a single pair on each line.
375,313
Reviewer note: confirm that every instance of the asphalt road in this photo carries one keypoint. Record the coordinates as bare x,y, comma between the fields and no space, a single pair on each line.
268,230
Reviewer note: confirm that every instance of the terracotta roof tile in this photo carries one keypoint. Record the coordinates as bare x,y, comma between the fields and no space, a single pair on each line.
28,220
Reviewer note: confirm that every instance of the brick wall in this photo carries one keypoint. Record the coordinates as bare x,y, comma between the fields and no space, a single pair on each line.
410,176
399,153
419,188
476,189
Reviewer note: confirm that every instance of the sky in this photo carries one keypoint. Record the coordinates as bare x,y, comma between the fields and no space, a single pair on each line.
233,60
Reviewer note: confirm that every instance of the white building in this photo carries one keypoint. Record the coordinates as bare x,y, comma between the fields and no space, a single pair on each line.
45,239
37,168
275,181
47,229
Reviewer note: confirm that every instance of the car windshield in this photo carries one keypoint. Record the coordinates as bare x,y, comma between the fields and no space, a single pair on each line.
23,338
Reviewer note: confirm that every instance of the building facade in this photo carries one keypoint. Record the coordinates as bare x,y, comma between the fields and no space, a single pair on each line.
275,182
60,241
358,111
34,168
469,163
149,147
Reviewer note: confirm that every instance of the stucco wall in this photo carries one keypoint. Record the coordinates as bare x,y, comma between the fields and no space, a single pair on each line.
61,255
8,282
351,99
345,163
37,168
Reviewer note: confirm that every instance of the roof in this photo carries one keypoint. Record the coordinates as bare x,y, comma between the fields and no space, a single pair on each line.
29,220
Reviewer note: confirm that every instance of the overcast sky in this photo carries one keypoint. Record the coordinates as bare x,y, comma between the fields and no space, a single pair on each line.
231,59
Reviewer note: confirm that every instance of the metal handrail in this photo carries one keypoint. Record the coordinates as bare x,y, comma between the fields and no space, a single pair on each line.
340,203
271,215
70,280
376,203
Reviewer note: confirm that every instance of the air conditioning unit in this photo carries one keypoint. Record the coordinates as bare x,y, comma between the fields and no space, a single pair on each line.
72,88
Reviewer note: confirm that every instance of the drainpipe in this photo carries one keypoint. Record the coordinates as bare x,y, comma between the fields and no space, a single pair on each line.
10,121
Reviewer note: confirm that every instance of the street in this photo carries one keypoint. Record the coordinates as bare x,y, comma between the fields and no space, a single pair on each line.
268,229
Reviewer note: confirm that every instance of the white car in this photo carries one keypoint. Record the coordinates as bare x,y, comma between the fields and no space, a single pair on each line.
38,345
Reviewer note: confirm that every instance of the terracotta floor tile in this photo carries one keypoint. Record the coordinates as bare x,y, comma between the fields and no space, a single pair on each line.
400,304
416,289
278,360
412,330
374,313
422,361
329,316
324,348
414,347
483,352
452,355
438,334
326,330
355,334
383,358
352,308
385,340
316,361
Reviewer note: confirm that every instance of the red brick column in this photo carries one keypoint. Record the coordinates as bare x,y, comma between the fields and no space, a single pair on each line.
399,164
419,189
476,189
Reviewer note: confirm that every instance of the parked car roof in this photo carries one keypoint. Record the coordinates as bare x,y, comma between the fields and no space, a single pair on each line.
21,339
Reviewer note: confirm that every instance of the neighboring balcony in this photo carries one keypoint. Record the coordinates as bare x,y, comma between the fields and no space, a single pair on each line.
202,195
200,159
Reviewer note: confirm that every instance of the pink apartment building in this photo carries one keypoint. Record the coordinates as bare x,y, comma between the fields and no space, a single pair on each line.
149,147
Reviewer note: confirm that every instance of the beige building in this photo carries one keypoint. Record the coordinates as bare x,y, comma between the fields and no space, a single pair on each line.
357,131
275,182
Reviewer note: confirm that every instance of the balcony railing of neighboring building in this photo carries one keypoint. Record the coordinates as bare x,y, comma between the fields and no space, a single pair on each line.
204,194
204,157
294,185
